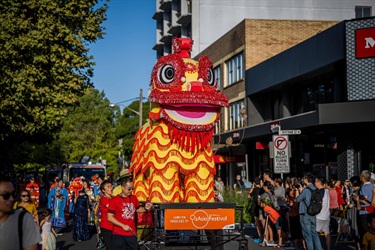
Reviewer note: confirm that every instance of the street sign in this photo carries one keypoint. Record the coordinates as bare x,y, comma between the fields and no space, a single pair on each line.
290,132
281,154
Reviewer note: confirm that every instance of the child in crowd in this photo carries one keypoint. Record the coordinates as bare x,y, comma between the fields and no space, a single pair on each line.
274,217
48,233
368,242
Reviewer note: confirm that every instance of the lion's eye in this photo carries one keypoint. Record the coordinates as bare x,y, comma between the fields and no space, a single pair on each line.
211,77
166,74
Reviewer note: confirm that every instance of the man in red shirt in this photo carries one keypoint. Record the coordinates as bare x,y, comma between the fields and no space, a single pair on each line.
121,213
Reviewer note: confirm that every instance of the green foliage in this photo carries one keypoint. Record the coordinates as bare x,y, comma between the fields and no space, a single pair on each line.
88,130
128,124
240,200
45,61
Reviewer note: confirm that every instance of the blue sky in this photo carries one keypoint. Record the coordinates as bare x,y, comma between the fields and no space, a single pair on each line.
124,58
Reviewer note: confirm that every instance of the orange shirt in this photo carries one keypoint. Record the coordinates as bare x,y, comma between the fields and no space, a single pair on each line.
272,214
36,187
34,197
52,186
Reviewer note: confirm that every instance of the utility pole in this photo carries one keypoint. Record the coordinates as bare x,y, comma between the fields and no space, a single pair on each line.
140,108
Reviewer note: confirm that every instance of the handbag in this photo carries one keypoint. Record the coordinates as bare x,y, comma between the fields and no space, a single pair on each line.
99,241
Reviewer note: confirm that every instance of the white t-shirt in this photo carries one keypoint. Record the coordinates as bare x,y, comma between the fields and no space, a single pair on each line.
9,232
324,213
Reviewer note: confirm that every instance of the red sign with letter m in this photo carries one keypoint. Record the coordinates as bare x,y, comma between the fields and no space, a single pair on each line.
365,42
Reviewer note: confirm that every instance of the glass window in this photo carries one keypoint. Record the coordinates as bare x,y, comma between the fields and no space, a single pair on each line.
316,92
235,120
217,72
235,69
362,11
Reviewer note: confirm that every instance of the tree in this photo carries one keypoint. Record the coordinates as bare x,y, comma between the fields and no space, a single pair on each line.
128,124
45,64
88,130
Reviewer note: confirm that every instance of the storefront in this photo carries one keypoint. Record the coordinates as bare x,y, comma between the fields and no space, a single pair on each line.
325,87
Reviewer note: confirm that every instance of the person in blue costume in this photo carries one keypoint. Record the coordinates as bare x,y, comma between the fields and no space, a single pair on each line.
81,217
57,199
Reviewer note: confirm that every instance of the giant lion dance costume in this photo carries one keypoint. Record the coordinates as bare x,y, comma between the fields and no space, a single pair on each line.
173,159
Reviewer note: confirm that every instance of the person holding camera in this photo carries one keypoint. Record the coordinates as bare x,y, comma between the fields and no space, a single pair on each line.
294,220
366,192
308,222
254,193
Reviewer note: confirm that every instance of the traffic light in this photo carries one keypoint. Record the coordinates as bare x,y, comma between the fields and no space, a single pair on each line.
302,158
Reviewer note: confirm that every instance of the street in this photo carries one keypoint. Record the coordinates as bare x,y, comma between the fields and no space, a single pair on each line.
65,242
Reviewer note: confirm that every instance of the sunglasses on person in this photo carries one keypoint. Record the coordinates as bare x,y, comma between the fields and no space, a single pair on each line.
24,195
7,195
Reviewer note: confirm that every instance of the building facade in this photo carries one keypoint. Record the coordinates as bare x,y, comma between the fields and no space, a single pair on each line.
323,86
205,21
246,45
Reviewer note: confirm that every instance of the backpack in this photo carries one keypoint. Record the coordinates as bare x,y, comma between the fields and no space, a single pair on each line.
20,230
316,202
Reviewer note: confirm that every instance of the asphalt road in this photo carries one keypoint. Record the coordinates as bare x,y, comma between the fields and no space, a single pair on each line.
65,242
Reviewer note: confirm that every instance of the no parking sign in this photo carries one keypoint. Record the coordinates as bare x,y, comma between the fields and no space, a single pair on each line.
281,154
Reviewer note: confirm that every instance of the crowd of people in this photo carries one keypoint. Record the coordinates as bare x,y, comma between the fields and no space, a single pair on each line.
88,202
303,209
281,210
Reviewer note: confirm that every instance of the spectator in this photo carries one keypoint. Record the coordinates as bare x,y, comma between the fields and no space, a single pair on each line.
217,196
48,234
35,195
308,222
352,211
247,183
294,218
81,217
365,192
121,213
239,185
372,178
105,227
339,190
96,187
334,204
57,199
9,237
54,184
281,204
274,217
267,176
279,192
91,198
267,187
368,242
25,202
219,184
255,209
347,191
323,218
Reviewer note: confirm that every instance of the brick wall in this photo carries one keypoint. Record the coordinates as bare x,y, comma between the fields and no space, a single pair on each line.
262,39
266,38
